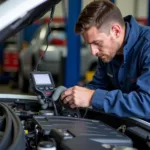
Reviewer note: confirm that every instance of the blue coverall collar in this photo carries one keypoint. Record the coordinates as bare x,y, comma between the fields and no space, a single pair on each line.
132,33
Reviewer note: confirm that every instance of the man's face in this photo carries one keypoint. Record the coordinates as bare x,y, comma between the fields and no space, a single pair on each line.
102,44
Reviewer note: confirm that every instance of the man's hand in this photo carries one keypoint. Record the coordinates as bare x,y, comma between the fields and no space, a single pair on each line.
77,96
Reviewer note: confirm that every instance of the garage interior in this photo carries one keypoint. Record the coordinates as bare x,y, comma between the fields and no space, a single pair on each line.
68,69
50,44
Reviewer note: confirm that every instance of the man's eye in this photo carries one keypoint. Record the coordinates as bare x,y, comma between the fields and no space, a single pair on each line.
98,44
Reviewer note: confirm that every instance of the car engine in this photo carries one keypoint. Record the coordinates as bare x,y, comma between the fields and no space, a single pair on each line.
43,122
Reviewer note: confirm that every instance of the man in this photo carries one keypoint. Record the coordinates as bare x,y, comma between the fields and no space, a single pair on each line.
121,84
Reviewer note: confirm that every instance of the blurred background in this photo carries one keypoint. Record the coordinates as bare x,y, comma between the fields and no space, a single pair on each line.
67,57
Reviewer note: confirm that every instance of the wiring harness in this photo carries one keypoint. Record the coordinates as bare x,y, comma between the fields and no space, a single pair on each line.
11,131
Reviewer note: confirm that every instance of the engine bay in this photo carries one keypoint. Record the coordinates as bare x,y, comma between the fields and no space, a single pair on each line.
35,128
43,122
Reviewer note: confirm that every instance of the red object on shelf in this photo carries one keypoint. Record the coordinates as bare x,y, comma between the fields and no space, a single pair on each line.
142,20
10,61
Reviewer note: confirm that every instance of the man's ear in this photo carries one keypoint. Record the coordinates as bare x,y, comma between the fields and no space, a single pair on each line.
115,30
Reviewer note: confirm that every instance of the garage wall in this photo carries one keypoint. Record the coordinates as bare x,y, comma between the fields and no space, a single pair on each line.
126,6
137,8
142,8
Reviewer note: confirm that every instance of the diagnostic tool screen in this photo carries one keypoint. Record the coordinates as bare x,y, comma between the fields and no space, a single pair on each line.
41,79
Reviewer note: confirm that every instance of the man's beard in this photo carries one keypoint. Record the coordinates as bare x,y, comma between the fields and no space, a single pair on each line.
106,58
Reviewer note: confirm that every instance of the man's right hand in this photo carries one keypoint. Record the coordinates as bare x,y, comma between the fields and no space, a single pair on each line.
77,96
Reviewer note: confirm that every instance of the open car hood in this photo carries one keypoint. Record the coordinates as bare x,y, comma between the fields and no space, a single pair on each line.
17,14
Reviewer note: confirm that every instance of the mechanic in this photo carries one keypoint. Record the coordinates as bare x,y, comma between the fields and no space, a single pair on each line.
121,83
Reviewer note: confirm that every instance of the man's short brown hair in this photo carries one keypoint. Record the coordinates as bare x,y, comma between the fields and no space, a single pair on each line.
98,13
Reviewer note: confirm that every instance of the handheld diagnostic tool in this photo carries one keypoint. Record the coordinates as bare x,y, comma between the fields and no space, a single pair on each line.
42,83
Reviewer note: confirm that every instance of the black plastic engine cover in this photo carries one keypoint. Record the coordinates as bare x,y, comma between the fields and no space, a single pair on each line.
60,127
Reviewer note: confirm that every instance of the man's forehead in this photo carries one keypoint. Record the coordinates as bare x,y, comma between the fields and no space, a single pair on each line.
92,35
91,31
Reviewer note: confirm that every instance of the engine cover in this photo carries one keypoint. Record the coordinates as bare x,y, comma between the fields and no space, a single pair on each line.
69,130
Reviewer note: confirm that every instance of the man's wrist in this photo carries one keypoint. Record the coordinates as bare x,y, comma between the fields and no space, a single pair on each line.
92,93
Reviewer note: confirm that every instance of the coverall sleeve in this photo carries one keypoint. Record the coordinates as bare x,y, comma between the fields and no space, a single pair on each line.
99,79
134,104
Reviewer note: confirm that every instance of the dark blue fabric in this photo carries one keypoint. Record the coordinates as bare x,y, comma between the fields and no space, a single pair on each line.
123,85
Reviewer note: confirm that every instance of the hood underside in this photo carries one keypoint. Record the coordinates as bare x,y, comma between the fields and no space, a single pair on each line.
17,14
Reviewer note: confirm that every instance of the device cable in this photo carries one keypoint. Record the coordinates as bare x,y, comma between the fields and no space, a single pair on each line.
49,31
85,113
55,108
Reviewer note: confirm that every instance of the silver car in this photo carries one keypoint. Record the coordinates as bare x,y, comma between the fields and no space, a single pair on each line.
52,59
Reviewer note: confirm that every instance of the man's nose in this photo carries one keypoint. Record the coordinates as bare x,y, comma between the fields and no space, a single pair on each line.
94,50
